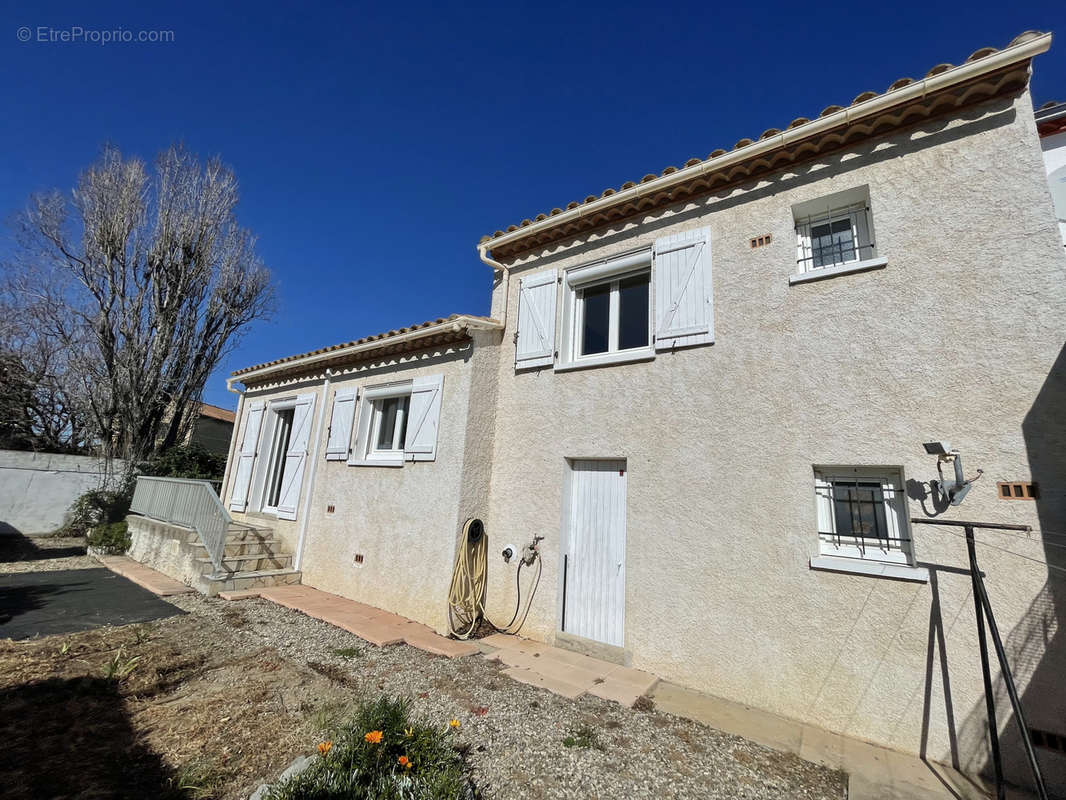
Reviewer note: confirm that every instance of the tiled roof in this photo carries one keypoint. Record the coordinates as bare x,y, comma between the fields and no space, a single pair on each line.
797,123
214,412
383,338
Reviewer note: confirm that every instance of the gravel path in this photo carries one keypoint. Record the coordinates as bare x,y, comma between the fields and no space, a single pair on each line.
43,554
515,732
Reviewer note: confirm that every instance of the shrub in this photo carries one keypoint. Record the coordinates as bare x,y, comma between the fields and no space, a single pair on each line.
97,507
111,537
186,461
382,754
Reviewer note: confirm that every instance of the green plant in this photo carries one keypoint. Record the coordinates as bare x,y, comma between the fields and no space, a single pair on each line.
348,652
186,461
119,667
382,754
111,537
584,736
97,507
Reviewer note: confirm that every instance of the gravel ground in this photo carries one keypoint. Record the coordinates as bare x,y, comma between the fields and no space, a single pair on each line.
40,554
246,686
515,732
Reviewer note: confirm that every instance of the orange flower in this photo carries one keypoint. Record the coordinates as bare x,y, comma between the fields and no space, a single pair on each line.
405,762
374,737
454,723
324,747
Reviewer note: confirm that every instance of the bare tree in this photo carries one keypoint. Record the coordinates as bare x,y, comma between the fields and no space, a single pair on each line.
145,280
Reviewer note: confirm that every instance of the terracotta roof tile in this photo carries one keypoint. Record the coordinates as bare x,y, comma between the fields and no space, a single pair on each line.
798,122
378,337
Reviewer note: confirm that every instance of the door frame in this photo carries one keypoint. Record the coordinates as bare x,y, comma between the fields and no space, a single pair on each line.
564,547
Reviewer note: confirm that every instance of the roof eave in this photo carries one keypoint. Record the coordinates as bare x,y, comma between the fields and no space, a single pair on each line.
1006,57
311,360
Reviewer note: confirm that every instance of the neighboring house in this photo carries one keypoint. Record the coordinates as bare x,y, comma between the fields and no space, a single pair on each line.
1051,124
212,429
708,390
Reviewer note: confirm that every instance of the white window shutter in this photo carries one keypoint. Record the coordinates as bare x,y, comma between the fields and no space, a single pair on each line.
242,478
423,418
535,345
296,456
340,425
684,295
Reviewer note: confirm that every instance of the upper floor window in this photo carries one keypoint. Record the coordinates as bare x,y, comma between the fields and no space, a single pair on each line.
613,316
834,231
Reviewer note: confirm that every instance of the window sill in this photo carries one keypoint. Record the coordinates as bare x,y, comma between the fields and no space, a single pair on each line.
376,462
839,269
876,569
606,359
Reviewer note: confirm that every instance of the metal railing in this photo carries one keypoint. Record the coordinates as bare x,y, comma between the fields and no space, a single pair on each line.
193,504
983,610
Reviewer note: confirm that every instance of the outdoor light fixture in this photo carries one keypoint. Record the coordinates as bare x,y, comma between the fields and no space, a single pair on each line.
950,491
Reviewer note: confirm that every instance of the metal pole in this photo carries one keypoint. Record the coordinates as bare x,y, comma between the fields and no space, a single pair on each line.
990,703
1012,692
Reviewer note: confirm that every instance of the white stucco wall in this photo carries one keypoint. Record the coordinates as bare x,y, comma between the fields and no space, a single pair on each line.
404,521
37,489
955,339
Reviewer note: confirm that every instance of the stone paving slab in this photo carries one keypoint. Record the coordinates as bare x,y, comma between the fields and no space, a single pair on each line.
376,626
565,672
152,580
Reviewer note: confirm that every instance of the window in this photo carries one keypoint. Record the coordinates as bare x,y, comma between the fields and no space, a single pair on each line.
279,447
862,514
835,234
398,422
390,424
613,316
608,311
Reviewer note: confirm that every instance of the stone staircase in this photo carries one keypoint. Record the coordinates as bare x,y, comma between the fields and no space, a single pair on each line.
252,559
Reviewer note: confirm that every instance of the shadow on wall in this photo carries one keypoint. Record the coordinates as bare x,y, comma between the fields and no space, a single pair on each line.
1036,647
72,738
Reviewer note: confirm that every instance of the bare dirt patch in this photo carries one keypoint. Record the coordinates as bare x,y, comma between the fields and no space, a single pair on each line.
196,714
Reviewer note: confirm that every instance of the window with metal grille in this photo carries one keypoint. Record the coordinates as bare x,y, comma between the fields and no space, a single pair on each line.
834,231
862,514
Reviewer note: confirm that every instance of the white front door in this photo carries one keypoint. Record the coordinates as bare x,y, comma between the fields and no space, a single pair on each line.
594,556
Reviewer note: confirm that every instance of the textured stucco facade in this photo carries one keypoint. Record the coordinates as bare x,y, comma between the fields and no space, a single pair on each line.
959,337
403,521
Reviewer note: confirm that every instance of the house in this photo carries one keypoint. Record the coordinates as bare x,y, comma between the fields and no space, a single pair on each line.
708,391
212,428
1051,124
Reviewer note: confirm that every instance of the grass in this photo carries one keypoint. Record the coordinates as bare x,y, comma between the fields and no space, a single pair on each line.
410,761
348,652
584,737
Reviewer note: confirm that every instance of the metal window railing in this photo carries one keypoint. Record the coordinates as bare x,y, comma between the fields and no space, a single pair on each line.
859,514
190,503
834,236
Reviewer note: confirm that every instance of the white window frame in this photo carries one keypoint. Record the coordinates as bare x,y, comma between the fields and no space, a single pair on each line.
891,557
850,204
586,276
266,469
365,453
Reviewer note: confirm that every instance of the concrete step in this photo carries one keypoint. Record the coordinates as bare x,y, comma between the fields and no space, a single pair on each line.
249,547
212,584
248,563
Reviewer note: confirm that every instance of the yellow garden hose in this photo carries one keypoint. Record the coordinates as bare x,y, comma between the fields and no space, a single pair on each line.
466,598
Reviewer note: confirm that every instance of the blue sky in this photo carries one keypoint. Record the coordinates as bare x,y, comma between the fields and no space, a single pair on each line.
375,144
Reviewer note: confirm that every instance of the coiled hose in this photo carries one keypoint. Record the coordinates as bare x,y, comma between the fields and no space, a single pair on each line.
466,597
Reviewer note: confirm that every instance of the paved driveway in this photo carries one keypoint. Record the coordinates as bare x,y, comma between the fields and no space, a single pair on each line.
65,601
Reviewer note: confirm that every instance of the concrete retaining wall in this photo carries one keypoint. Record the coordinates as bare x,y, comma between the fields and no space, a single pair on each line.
164,547
37,489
